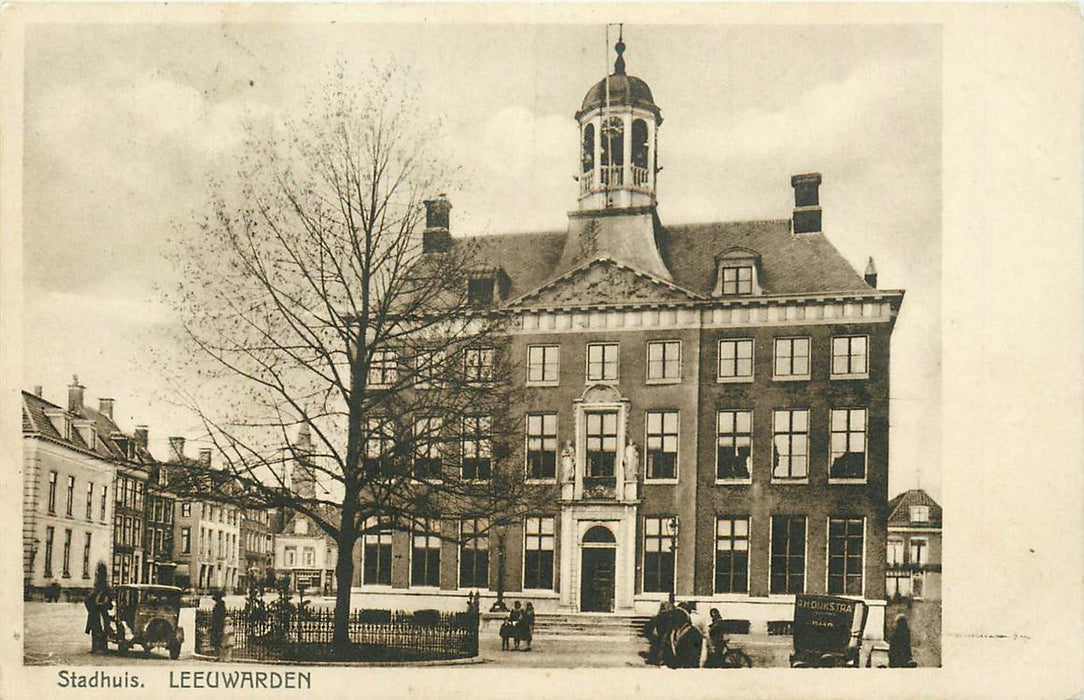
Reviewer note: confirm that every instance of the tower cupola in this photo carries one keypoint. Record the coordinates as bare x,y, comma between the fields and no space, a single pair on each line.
619,121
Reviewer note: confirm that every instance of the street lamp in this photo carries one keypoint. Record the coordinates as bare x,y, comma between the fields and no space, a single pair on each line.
499,606
675,527
29,578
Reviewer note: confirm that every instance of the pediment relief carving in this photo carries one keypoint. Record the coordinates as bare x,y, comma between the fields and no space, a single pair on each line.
604,282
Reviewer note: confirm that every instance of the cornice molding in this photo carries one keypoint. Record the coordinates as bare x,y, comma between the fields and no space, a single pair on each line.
861,307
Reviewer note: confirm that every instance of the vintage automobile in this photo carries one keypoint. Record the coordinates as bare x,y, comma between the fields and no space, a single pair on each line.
147,614
827,631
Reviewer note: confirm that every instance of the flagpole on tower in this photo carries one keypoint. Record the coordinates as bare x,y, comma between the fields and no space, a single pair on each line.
606,71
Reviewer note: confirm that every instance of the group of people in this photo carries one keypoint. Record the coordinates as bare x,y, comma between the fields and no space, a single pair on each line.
519,627
682,637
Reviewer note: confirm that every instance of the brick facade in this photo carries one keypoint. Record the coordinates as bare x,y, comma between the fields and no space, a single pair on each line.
619,277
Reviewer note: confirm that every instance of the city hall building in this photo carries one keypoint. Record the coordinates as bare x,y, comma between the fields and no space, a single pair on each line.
707,404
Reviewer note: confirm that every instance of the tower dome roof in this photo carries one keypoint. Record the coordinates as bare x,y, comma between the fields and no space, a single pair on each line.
619,89
624,90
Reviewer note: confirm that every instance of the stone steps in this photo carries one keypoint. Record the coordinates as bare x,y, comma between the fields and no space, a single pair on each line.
589,625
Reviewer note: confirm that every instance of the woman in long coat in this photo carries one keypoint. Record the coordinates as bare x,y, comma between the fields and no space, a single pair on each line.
515,617
899,645
526,625
656,631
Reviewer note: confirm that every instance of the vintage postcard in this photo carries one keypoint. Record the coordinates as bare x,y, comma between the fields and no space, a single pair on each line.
520,350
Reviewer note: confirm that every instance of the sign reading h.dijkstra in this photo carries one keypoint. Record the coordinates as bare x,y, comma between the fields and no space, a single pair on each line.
823,623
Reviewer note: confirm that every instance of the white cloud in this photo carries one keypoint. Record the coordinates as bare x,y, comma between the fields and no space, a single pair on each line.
520,168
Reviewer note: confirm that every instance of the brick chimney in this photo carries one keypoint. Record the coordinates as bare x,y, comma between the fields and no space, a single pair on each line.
871,273
437,237
37,390
76,392
105,407
176,448
205,456
807,207
142,435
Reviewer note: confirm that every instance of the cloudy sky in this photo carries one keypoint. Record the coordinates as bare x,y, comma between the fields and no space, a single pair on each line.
125,123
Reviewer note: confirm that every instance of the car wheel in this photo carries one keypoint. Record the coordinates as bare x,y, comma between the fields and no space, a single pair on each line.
174,651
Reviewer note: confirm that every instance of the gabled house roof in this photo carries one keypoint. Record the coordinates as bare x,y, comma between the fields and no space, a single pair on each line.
899,509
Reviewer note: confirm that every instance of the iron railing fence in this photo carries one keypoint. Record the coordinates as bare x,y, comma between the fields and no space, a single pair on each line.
279,633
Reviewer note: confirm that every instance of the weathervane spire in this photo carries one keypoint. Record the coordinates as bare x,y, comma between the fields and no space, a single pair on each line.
619,47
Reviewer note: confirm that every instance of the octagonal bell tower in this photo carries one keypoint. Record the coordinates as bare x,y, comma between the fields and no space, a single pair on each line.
619,123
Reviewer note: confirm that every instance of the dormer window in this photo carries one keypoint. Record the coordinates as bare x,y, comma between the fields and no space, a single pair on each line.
61,422
737,273
920,514
125,444
486,287
738,280
480,291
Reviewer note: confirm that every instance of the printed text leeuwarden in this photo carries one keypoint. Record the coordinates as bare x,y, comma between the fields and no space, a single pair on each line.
284,680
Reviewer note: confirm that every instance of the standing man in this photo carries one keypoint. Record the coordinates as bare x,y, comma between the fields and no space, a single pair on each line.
218,621
97,604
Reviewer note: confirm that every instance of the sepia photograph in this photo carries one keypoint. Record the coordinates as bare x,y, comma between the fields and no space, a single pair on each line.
482,343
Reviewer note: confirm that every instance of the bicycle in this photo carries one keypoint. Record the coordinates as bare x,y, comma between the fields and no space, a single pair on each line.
725,656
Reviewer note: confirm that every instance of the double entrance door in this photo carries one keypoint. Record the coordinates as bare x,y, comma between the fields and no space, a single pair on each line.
597,567
597,584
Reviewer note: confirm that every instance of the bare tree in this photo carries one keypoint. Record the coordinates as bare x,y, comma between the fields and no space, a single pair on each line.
314,306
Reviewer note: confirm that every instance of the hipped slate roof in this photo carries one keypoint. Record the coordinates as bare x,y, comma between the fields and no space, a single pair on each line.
790,264
35,420
899,508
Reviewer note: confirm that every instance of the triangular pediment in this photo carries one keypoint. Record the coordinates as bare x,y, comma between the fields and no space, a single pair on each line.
605,281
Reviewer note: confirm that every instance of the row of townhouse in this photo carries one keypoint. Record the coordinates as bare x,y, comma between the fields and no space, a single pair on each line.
84,495
218,544
95,495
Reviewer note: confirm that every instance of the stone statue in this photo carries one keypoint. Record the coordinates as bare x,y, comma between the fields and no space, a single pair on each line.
632,462
568,462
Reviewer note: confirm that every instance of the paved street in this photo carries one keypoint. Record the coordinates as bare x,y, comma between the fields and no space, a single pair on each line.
609,652
564,652
54,636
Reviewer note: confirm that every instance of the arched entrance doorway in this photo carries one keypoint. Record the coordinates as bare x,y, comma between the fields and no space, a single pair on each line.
597,566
